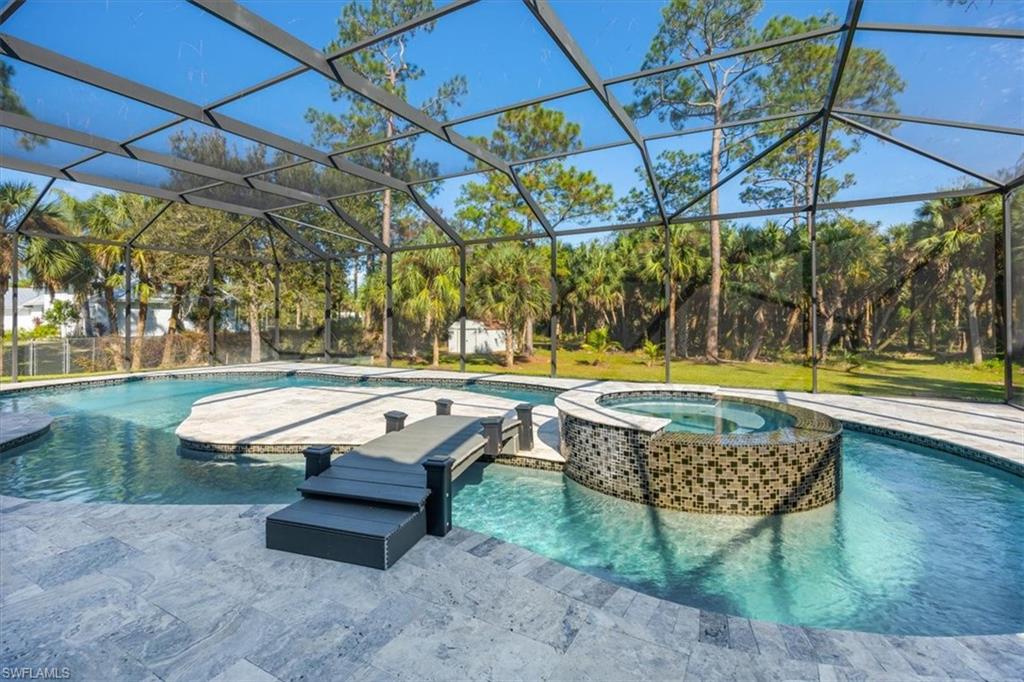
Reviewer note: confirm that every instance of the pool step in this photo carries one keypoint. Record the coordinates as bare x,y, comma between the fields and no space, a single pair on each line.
374,535
372,504
338,488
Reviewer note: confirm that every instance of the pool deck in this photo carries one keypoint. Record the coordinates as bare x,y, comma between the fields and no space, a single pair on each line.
167,592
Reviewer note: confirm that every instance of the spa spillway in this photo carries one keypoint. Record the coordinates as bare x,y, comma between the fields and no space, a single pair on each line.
692,449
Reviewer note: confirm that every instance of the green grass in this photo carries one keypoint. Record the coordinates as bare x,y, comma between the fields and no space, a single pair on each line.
917,375
891,375
22,379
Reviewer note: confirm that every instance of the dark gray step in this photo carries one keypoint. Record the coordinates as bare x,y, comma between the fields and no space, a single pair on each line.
410,476
364,518
343,531
347,489
417,442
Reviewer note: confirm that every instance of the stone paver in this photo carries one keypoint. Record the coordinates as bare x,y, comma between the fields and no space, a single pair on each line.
202,598
154,592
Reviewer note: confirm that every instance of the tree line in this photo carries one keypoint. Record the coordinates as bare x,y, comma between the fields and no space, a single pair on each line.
737,290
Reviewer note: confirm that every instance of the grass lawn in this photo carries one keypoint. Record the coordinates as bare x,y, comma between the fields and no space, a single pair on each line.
917,375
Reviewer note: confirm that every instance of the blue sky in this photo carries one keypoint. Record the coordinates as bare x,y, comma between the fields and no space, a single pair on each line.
506,57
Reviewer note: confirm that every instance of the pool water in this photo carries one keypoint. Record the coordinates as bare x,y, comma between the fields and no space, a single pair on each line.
116,444
692,415
920,542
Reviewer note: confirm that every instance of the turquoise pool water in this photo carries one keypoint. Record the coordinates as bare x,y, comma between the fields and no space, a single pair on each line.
707,416
919,543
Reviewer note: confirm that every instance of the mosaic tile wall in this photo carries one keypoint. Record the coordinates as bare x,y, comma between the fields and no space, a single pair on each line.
753,474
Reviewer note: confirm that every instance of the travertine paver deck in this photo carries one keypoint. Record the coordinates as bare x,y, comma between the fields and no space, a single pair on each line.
283,419
189,592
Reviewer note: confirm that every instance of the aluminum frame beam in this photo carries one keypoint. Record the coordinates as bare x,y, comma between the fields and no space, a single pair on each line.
915,149
273,36
971,31
43,58
295,236
558,32
748,164
35,204
942,122
34,127
149,223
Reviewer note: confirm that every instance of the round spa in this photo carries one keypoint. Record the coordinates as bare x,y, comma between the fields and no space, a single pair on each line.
695,450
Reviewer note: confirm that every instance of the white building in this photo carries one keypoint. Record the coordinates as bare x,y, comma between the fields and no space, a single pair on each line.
480,338
33,304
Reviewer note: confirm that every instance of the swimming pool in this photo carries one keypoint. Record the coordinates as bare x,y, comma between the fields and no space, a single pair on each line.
919,542
714,415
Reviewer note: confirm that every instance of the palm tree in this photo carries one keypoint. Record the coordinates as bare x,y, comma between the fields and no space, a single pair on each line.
960,225
600,344
117,217
604,290
759,260
429,288
511,285
850,258
686,262
371,299
15,199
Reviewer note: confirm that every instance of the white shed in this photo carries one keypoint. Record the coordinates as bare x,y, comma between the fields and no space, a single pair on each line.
480,338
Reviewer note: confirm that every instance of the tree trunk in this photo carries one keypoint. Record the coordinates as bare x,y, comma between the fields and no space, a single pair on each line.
255,354
140,336
528,337
990,331
715,291
86,315
437,351
974,334
958,336
826,335
172,327
510,354
111,309
792,322
911,323
684,326
759,326
931,326
672,294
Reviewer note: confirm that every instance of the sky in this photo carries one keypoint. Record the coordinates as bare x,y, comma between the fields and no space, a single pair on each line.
506,57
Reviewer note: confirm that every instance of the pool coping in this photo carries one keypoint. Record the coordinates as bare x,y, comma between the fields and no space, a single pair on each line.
877,419
591,404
